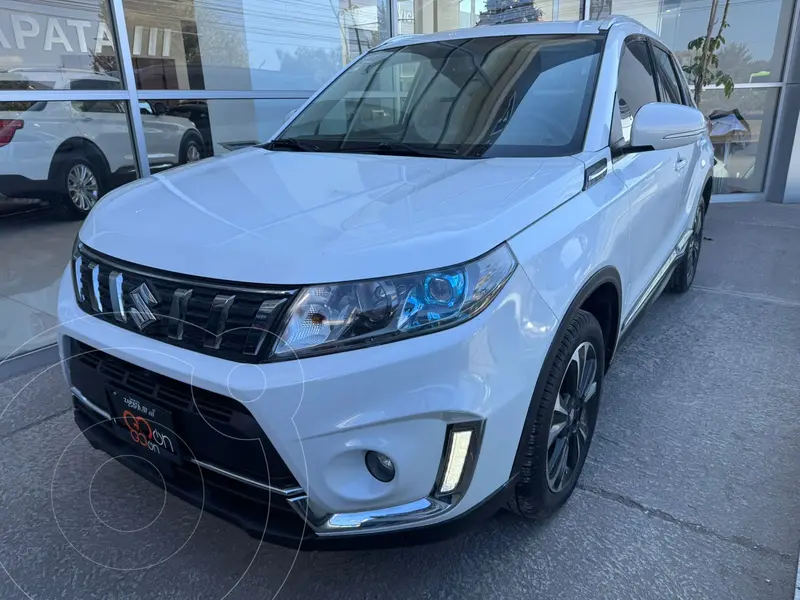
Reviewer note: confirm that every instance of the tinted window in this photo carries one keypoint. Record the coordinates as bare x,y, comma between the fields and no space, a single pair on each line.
15,82
23,106
98,106
635,87
489,96
668,80
110,83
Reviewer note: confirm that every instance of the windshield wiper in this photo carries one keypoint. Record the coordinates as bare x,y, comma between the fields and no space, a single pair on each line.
403,149
291,144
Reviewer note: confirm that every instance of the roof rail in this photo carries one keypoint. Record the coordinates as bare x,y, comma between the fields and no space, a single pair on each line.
52,69
606,23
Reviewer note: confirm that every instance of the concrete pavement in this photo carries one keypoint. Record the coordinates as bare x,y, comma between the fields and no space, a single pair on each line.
690,490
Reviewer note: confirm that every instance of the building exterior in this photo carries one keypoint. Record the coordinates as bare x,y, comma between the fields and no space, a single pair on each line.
130,73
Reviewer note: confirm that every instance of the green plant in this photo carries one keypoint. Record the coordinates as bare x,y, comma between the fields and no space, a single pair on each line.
704,68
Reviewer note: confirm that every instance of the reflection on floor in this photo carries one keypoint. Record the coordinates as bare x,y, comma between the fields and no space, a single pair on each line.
35,247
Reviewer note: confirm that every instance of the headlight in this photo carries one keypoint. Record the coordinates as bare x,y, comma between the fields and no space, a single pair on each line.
327,318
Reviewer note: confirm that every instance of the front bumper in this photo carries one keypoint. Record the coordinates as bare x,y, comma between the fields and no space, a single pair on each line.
269,517
320,415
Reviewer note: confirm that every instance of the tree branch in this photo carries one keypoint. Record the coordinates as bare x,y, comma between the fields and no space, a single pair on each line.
700,77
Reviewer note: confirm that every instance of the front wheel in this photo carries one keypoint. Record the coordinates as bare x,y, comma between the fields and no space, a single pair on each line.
191,149
683,275
554,447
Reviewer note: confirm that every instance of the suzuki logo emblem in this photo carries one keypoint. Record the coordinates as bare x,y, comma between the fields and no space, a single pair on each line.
143,300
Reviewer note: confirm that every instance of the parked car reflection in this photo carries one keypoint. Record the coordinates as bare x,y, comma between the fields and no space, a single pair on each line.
72,152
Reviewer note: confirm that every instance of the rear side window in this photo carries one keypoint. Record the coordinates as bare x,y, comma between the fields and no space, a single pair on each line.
98,106
23,106
636,86
667,77
94,84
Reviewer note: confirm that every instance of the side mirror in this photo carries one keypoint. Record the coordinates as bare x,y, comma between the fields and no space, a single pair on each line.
661,126
159,108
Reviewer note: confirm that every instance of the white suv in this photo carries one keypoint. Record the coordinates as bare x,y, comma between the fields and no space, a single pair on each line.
72,152
398,314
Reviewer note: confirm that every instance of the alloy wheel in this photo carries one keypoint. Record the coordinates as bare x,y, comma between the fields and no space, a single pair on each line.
568,439
693,251
82,187
193,153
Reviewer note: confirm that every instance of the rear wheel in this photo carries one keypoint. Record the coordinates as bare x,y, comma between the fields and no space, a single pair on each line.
555,446
78,184
683,275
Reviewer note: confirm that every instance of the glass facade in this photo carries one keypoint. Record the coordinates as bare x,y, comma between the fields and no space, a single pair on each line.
95,93
428,16
753,56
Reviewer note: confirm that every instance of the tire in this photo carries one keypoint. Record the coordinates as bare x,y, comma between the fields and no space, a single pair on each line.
77,185
191,149
683,275
538,493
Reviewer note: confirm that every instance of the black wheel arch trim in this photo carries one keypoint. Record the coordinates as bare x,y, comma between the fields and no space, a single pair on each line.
69,145
193,135
706,183
605,275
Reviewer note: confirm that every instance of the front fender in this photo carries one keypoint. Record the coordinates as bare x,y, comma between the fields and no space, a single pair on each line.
566,248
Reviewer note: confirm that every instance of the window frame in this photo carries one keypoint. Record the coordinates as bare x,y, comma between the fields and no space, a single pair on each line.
579,141
683,90
119,104
617,149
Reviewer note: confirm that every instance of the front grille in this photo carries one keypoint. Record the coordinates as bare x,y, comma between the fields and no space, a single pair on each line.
232,321
218,429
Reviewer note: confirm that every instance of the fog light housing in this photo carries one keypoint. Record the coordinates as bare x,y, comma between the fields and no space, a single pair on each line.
379,466
458,460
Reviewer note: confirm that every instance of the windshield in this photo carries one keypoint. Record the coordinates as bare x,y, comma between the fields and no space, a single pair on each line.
489,96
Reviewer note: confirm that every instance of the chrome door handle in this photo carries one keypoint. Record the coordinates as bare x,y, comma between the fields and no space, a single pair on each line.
680,164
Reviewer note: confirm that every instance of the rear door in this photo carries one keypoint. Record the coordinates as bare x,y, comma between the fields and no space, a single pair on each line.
651,177
106,124
163,136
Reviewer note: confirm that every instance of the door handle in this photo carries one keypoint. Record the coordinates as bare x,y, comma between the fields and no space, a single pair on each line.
680,164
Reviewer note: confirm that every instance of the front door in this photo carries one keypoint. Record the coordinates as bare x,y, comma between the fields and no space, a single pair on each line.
673,89
654,178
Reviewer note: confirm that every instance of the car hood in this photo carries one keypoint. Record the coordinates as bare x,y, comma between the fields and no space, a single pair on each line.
294,217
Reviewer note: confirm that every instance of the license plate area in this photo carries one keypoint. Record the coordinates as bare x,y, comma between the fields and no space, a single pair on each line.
148,427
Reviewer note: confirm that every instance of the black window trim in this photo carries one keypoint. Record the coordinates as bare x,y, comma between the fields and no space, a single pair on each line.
682,90
688,99
616,150
654,67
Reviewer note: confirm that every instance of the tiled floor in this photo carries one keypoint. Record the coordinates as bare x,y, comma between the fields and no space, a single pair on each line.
35,247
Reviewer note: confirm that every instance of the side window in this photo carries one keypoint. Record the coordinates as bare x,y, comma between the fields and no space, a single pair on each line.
98,106
688,99
667,78
636,87
107,83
